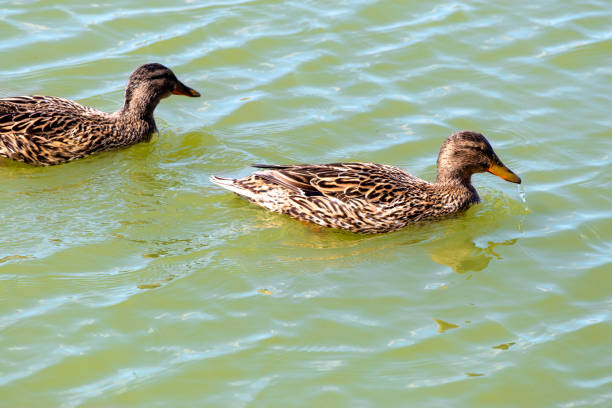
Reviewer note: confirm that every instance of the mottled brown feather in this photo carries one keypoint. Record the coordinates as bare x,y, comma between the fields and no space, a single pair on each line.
47,130
370,197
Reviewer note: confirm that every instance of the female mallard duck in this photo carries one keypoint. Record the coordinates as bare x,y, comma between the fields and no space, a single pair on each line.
46,130
371,198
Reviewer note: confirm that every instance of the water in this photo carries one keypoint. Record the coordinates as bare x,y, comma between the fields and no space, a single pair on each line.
128,279
522,195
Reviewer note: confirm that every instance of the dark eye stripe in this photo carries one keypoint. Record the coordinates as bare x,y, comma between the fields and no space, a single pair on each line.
159,76
473,147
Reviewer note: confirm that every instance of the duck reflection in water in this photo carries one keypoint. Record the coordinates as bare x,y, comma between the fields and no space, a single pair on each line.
463,255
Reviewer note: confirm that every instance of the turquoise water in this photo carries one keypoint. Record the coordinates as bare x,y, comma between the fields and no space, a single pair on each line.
128,279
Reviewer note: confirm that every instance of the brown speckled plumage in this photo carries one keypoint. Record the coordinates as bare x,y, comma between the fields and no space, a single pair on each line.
47,130
369,197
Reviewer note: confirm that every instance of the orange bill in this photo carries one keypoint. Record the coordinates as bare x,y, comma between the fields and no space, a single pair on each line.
182,89
504,173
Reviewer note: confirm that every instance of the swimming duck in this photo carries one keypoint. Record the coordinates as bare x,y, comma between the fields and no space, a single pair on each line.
369,197
47,130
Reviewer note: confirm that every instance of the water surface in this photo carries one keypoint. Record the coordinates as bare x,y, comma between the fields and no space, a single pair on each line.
128,279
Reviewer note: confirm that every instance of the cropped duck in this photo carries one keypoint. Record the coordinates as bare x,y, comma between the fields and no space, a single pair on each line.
47,130
369,197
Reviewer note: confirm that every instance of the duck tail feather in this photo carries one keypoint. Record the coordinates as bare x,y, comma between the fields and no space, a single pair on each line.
231,185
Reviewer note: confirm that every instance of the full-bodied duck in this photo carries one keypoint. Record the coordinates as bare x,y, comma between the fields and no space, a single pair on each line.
47,130
369,197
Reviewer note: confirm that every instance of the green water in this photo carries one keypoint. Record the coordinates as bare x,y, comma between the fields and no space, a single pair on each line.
128,279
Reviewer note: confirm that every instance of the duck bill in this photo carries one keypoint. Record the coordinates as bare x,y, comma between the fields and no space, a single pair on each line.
504,173
182,89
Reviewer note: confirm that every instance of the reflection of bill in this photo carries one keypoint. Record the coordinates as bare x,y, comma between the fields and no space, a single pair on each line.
463,255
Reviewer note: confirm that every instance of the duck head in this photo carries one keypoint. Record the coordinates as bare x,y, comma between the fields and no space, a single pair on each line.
465,153
150,83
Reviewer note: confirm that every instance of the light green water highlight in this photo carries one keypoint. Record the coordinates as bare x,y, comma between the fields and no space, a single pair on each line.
128,279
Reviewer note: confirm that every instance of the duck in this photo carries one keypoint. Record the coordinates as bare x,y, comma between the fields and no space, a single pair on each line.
49,130
369,197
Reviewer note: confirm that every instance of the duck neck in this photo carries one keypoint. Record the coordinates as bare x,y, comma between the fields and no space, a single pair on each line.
139,104
459,182
135,119
449,175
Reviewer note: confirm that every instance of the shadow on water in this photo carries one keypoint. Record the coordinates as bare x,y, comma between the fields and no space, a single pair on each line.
457,242
463,255
456,246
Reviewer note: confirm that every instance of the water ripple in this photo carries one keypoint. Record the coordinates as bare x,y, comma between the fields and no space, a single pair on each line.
126,278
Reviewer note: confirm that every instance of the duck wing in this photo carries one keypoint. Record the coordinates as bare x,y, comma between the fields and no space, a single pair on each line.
35,115
47,130
376,184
